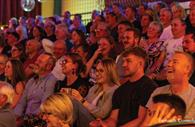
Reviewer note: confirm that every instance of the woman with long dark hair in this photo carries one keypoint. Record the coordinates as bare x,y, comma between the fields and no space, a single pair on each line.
15,75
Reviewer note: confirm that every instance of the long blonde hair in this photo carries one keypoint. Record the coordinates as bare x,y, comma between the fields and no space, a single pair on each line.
59,105
110,68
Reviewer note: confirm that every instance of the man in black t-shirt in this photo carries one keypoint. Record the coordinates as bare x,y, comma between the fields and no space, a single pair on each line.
129,100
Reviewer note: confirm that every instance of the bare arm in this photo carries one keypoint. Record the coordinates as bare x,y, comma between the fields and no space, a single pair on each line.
136,122
113,119
91,62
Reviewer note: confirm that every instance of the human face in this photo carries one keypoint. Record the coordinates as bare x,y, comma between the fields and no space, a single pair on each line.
129,39
192,17
105,46
31,47
178,28
121,30
129,13
81,53
59,49
111,20
165,17
75,38
48,28
68,66
2,64
131,65
101,31
145,21
41,64
176,67
76,21
36,32
60,33
11,40
141,9
52,120
101,75
116,9
189,43
177,13
152,31
8,70
15,52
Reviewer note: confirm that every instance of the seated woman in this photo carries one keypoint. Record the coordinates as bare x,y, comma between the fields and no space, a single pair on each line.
153,47
15,75
99,99
57,110
72,67
18,52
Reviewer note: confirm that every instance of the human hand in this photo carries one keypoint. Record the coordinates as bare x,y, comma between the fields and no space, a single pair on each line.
97,123
76,95
161,114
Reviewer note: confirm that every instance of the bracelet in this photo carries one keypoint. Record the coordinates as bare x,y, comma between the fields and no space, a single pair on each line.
83,100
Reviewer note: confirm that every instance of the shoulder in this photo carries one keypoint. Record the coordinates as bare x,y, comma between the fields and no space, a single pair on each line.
163,89
147,81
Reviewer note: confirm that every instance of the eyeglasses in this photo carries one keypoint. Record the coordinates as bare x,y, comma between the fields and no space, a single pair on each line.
65,61
45,113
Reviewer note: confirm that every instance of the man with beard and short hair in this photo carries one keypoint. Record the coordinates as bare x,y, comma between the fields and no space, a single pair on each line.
39,87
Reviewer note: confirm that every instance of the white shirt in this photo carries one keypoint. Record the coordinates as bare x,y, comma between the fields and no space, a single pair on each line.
166,34
170,46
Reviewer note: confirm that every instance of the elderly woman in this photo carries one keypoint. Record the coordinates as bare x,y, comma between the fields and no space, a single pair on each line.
99,99
153,46
57,110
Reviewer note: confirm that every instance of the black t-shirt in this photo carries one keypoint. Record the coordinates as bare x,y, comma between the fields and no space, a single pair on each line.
192,79
79,84
129,96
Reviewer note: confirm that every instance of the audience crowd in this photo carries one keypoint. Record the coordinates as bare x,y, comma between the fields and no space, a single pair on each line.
128,67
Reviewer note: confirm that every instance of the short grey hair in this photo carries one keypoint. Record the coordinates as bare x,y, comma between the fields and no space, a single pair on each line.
7,90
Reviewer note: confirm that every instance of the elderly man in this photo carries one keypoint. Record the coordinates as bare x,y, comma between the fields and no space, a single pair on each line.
32,51
179,70
165,19
59,50
39,87
7,117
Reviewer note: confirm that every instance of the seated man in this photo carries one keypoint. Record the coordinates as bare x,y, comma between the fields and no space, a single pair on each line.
7,117
179,69
165,108
129,100
39,87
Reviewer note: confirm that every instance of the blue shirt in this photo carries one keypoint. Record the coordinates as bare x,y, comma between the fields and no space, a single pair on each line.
36,91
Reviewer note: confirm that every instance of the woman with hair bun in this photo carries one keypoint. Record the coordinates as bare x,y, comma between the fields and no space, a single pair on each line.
72,67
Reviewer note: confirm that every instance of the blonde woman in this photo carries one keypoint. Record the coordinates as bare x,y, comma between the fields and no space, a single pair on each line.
57,110
99,99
